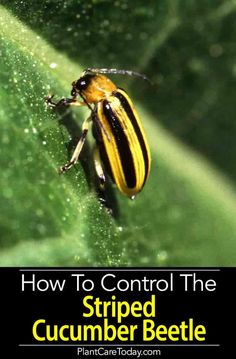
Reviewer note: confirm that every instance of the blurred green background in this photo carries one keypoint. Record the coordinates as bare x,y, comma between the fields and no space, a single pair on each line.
186,214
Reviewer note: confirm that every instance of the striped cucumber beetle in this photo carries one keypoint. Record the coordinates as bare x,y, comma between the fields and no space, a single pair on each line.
122,150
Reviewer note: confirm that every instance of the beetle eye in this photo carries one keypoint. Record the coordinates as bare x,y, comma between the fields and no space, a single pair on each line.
83,82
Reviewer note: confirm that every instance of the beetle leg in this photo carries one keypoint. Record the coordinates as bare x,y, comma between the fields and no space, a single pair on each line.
63,102
98,167
104,196
78,148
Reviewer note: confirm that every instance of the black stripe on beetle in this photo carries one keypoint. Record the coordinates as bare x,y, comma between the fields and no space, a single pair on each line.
133,120
122,145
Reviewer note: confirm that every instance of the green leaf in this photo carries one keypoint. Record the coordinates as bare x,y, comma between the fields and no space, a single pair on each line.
45,219
186,47
184,216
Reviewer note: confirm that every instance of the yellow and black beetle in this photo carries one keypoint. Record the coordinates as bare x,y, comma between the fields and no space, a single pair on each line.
122,149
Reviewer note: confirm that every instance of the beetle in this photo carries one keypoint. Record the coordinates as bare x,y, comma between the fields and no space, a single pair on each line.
122,149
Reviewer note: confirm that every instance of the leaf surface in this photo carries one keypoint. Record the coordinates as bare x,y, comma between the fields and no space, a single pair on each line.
184,216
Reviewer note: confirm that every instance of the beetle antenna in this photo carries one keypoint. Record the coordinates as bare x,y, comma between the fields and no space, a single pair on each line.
116,71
